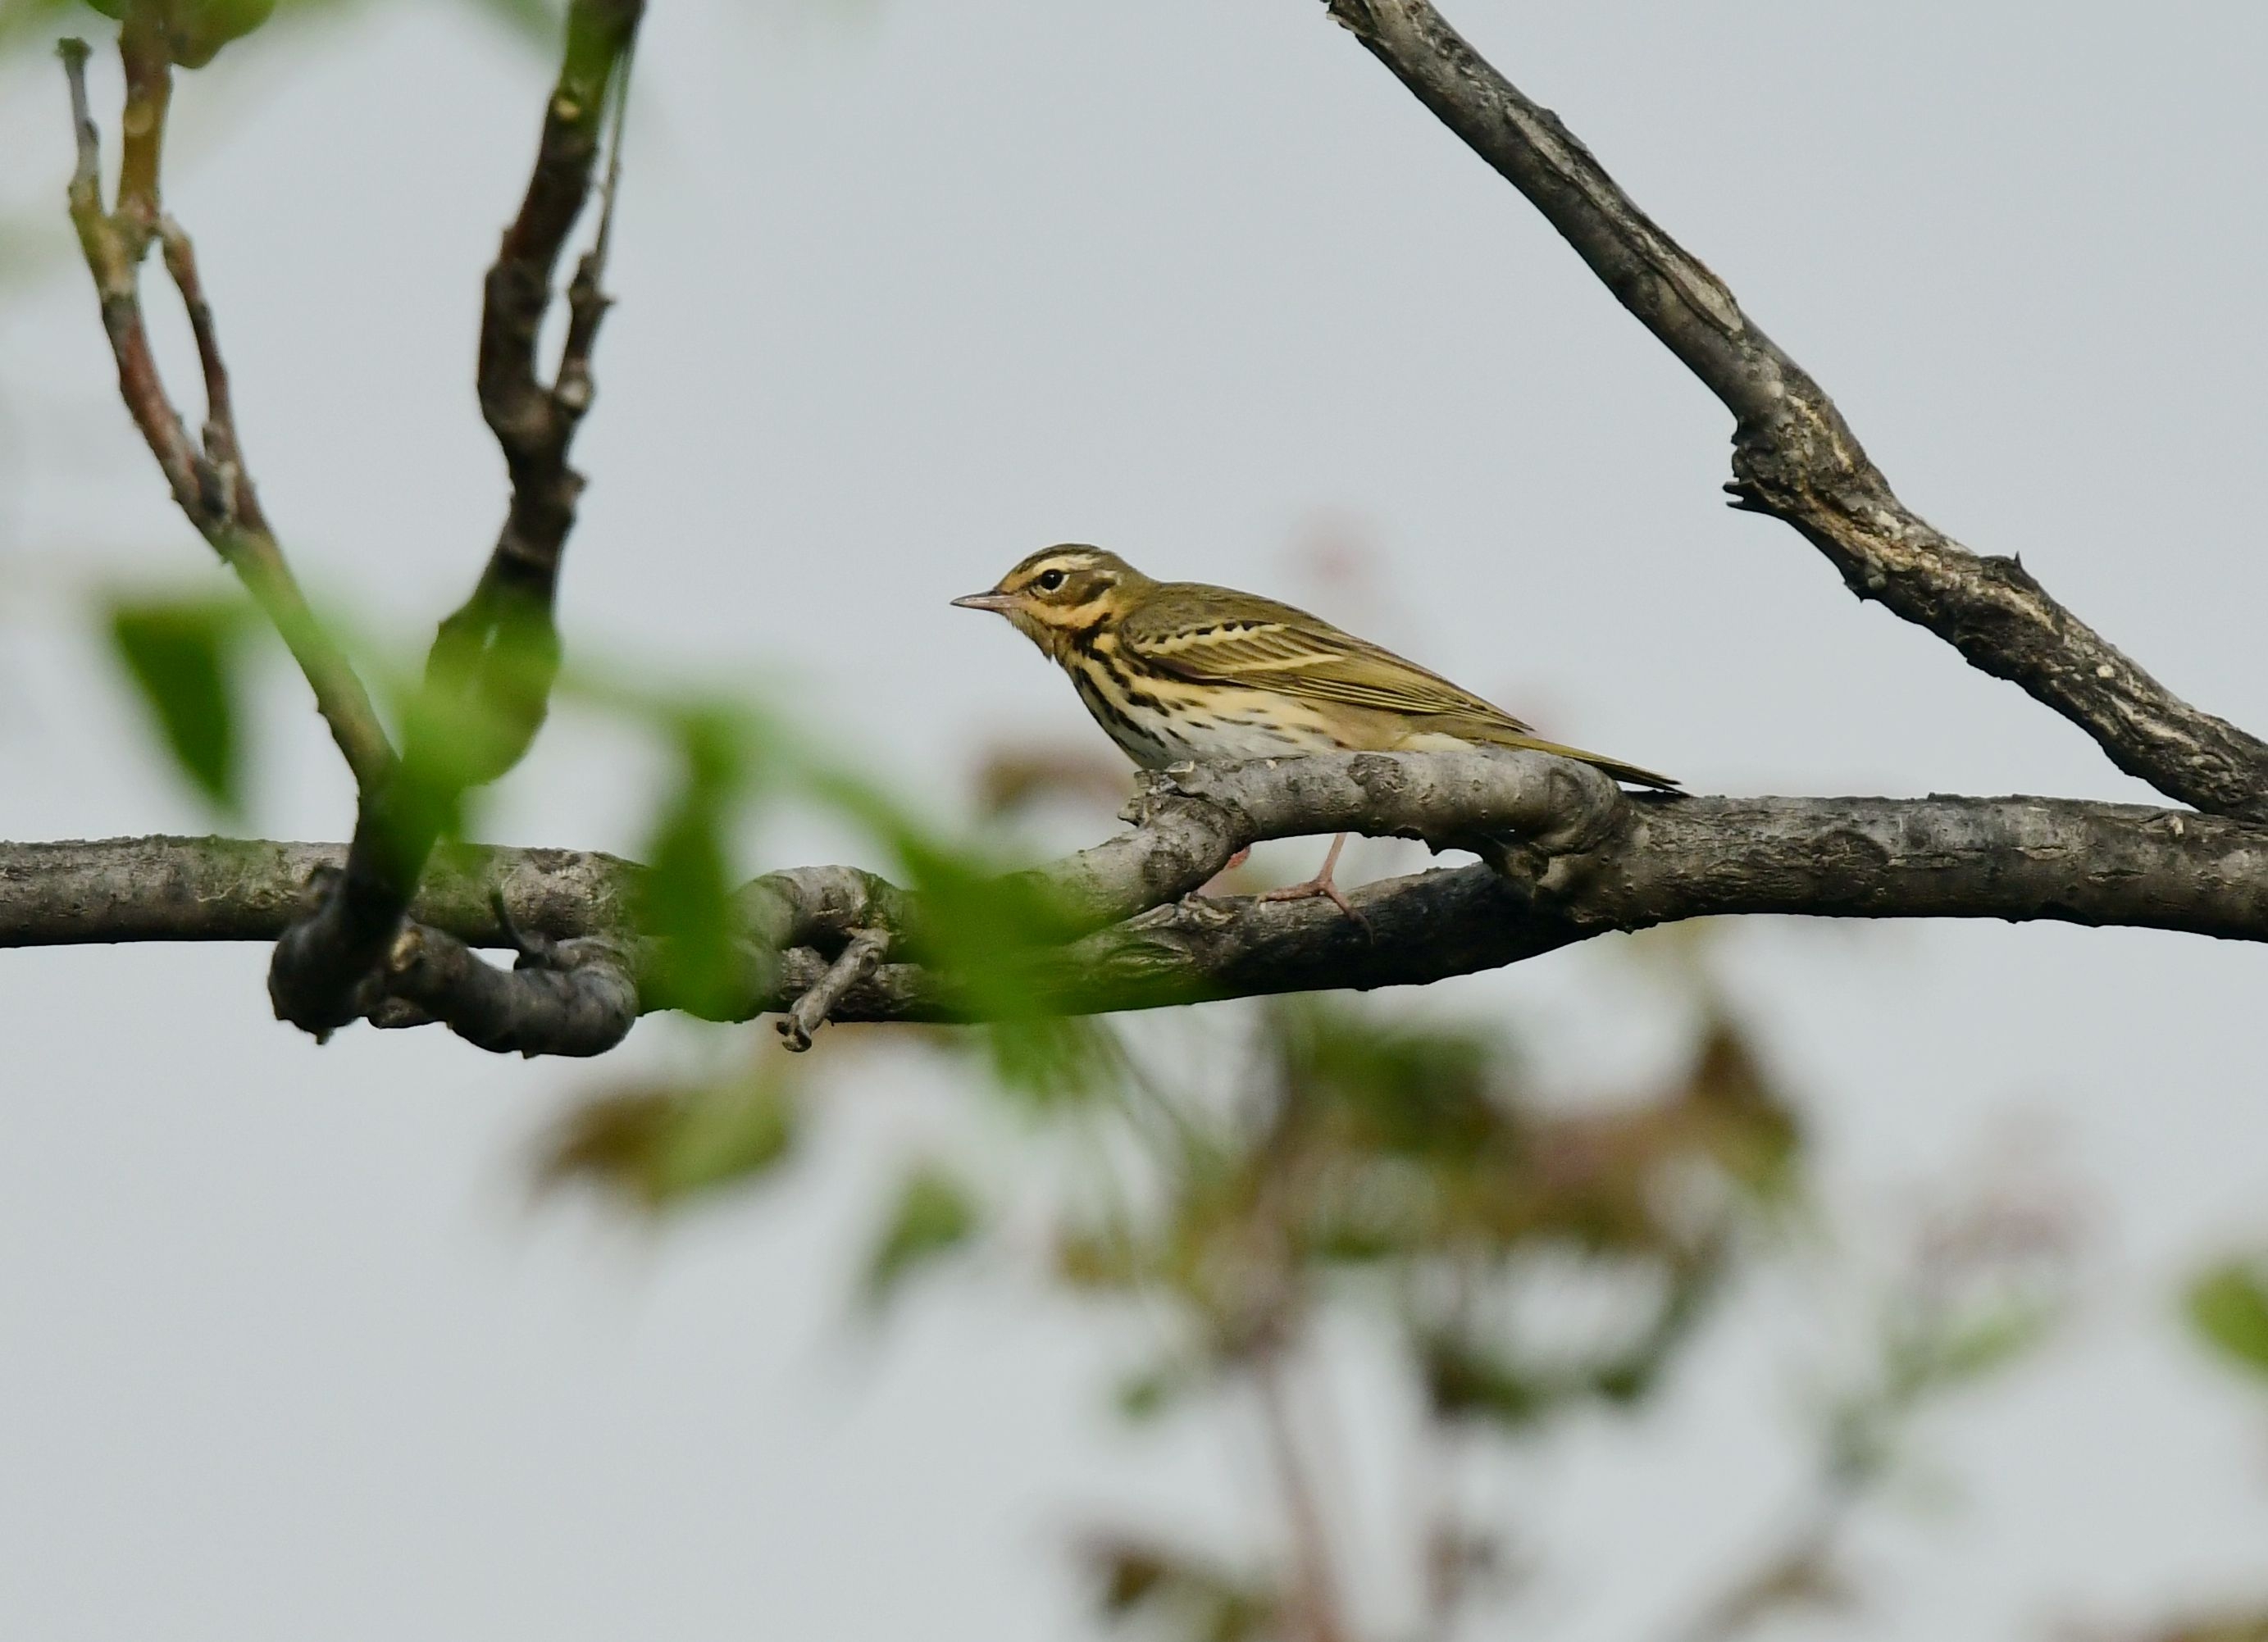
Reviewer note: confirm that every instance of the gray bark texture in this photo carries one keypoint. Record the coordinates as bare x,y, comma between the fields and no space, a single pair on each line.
1595,862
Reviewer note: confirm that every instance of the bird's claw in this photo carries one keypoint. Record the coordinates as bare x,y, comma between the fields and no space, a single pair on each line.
1314,888
1322,885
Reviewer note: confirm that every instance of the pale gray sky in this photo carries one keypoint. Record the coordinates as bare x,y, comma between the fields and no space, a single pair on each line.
905,293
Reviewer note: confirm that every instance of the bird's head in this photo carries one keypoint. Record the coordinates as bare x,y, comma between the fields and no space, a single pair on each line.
1062,593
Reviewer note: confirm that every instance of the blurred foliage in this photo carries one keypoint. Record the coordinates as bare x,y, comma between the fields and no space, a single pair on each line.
1407,1166
685,899
1407,1173
933,1214
2243,1626
1188,1596
735,764
185,659
655,1147
1333,1165
1991,1277
196,30
484,695
2229,1307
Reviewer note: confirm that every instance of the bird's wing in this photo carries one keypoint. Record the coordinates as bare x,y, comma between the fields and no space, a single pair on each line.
1266,645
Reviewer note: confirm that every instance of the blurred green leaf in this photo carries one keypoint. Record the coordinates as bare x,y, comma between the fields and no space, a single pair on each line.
1984,1344
36,22
984,924
183,657
1054,1058
1752,1128
1146,1395
1423,1088
934,1215
659,1147
1107,1258
2228,1307
194,31
1464,1379
1631,1376
685,897
1205,1601
486,691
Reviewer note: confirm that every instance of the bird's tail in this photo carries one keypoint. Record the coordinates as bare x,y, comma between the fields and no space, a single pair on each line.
1613,767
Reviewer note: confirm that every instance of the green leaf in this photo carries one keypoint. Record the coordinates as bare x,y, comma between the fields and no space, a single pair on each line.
732,1132
659,1147
1143,1397
1054,1060
1990,1342
184,659
685,898
1465,1380
2228,1305
1201,1599
486,688
935,1215
984,926
26,20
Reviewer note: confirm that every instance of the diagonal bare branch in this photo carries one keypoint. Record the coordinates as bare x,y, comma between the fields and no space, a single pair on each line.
490,671
1794,457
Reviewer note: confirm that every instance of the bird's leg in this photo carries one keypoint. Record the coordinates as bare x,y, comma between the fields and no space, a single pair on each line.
1226,867
1320,884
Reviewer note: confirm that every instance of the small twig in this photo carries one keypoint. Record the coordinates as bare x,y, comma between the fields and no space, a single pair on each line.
149,95
86,175
209,481
222,449
587,300
809,1012
113,254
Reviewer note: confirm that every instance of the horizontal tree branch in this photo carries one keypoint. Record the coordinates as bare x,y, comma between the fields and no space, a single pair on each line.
1794,457
1595,863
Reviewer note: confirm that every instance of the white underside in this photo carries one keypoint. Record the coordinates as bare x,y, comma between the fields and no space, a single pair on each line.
1221,742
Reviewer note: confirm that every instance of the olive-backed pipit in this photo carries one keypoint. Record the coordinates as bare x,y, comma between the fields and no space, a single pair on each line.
1175,671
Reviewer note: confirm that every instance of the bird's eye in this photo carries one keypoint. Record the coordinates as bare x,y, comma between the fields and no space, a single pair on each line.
1050,581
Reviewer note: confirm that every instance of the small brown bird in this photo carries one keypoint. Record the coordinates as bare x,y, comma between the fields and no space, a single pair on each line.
1176,671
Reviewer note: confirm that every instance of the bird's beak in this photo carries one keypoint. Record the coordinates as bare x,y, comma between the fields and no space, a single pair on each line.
998,603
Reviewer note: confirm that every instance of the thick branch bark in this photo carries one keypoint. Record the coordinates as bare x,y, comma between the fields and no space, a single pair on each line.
1594,869
1794,457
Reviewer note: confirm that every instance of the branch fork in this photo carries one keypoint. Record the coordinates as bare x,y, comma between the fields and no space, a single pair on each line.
860,956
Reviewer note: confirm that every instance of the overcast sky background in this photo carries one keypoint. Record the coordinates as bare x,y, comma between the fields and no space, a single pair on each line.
906,292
